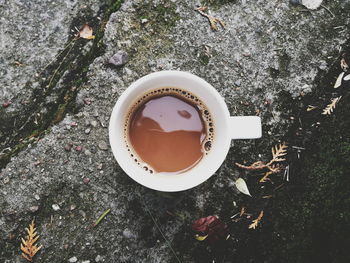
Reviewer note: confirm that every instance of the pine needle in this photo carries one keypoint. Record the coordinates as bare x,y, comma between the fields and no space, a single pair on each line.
330,107
256,221
101,217
28,246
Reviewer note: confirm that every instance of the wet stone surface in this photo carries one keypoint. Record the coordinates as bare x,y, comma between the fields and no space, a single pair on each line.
269,56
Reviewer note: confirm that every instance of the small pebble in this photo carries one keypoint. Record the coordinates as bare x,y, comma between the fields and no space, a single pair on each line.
72,207
87,101
6,180
87,131
238,83
55,207
99,166
144,21
78,148
119,59
73,259
67,147
93,123
37,197
86,180
87,152
86,261
33,209
6,104
103,145
98,258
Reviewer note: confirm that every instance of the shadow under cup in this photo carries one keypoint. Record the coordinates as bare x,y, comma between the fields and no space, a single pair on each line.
209,163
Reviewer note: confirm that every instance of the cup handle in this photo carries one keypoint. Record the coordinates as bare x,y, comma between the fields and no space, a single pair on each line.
245,127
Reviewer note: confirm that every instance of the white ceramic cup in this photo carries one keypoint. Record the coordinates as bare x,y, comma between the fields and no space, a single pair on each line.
226,129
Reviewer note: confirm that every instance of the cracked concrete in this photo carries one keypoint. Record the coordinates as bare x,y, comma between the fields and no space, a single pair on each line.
266,48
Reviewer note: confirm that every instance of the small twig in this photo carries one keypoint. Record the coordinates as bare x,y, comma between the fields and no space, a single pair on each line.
160,231
101,217
212,20
327,9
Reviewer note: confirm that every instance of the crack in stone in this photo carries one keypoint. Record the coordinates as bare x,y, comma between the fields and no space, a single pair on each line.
49,103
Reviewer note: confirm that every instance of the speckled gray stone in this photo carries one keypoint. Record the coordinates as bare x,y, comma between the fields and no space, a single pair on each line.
271,46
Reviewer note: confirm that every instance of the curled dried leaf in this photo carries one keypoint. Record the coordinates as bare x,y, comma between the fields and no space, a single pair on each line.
86,32
344,65
28,246
242,211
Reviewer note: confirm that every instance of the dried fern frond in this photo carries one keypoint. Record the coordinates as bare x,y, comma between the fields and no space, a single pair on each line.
266,178
255,166
256,221
273,169
277,152
212,20
28,246
330,107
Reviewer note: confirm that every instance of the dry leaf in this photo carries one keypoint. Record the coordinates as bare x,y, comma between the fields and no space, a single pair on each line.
277,152
312,4
28,246
344,65
242,211
330,107
256,221
200,238
86,32
310,108
212,20
242,186
339,80
347,77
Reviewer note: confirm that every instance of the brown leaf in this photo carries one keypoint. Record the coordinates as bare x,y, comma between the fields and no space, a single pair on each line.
256,221
242,211
28,246
210,228
86,32
344,65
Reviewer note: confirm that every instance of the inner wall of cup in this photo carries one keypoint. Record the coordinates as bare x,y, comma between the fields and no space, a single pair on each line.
182,93
213,101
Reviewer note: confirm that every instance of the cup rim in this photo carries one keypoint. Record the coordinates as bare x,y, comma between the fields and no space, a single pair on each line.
173,184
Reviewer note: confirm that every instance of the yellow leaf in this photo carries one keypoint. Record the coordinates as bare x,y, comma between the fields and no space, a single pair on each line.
200,238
